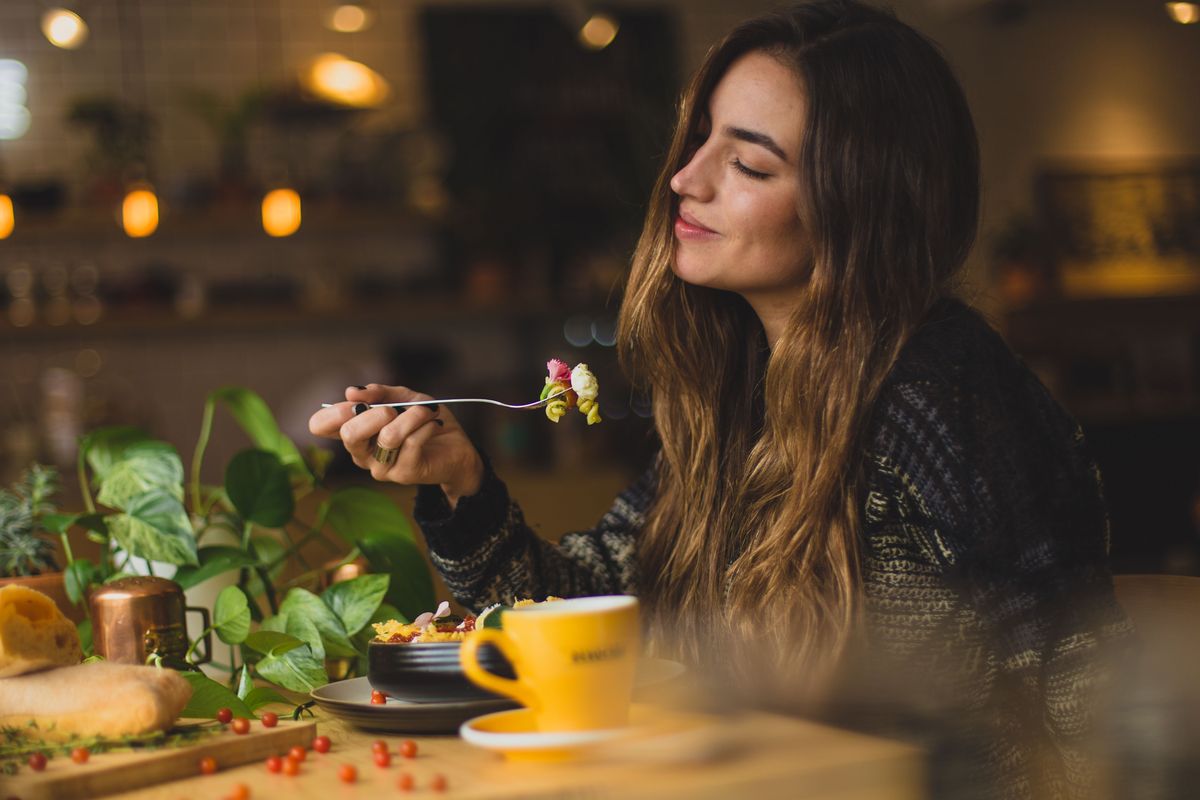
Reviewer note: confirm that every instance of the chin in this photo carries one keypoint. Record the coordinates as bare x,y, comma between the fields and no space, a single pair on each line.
694,274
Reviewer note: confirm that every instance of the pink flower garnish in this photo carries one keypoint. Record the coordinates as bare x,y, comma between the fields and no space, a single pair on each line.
559,372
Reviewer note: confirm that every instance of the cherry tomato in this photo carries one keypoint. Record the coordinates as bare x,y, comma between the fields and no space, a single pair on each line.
405,783
297,752
347,773
379,746
291,766
224,715
383,758
378,698
208,765
240,791
322,744
408,748
37,761
270,719
80,755
241,725
438,782
274,764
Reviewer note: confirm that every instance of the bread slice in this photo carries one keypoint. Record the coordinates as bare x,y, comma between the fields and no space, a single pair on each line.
100,699
34,634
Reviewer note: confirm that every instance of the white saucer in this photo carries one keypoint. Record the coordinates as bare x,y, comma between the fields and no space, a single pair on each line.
513,735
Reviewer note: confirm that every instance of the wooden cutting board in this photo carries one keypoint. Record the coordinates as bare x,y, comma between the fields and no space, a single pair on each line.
106,773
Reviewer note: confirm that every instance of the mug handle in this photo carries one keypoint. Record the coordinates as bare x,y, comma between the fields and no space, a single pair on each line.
468,656
203,612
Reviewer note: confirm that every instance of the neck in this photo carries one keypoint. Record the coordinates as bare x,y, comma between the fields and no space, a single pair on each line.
773,310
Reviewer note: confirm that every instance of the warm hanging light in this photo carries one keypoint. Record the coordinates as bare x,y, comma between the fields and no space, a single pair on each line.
339,80
349,17
139,212
1184,13
598,32
7,219
281,212
64,28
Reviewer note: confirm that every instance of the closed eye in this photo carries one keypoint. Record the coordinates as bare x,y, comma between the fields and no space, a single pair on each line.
749,173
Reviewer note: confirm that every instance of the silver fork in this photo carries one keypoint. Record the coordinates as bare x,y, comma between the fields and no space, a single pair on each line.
436,402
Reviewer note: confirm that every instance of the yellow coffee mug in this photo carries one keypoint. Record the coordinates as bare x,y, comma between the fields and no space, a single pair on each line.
575,660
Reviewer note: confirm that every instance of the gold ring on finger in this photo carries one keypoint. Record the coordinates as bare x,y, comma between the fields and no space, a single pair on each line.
386,455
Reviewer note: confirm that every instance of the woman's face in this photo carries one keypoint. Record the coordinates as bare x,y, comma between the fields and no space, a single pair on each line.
737,223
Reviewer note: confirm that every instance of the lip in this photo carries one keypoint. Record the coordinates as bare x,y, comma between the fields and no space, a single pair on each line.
688,227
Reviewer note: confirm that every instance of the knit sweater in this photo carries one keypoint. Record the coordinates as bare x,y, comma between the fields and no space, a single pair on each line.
986,589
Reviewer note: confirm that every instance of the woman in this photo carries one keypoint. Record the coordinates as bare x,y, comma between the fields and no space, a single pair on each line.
851,462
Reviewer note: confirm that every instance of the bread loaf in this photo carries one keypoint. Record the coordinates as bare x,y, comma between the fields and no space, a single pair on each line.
101,699
34,634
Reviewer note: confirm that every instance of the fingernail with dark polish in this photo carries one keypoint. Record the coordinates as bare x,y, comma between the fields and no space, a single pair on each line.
360,408
433,407
441,422
360,388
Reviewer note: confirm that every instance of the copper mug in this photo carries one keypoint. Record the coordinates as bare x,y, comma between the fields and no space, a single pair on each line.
134,618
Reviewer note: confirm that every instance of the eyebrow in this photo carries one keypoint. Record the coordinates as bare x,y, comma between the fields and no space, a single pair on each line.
754,137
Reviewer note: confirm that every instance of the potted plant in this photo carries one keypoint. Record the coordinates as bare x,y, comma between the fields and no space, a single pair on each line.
139,504
26,545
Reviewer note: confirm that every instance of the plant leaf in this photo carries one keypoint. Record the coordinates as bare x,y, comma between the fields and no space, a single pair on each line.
77,577
268,549
303,628
354,601
256,419
214,561
271,643
57,523
261,696
156,527
85,636
296,669
303,603
259,488
231,615
209,697
244,683
103,446
380,529
142,466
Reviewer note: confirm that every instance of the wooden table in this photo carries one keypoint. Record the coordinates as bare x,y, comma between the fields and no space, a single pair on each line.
757,755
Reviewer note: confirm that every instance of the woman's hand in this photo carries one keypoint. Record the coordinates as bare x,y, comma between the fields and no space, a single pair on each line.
430,445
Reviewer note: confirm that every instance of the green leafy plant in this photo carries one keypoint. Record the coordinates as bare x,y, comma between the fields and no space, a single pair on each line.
281,630
26,547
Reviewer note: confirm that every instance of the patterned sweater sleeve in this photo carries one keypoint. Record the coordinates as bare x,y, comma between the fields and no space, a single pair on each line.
486,553
1008,505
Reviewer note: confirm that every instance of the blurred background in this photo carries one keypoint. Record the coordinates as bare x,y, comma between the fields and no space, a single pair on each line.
300,196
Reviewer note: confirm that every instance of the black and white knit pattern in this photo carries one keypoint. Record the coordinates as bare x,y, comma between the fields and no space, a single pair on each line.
986,586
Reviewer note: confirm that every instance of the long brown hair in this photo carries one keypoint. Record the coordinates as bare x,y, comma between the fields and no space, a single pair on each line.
754,536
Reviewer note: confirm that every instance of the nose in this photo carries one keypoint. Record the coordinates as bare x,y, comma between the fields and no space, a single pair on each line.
692,179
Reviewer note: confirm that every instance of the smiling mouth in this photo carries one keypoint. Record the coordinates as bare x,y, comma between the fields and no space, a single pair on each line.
686,219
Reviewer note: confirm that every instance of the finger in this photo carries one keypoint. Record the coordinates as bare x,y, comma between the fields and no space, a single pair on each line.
410,466
328,421
393,434
356,432
417,439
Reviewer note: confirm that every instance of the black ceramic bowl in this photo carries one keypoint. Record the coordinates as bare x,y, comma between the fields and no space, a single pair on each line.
430,672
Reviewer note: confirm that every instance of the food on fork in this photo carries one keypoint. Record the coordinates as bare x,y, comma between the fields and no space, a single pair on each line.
34,633
576,388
